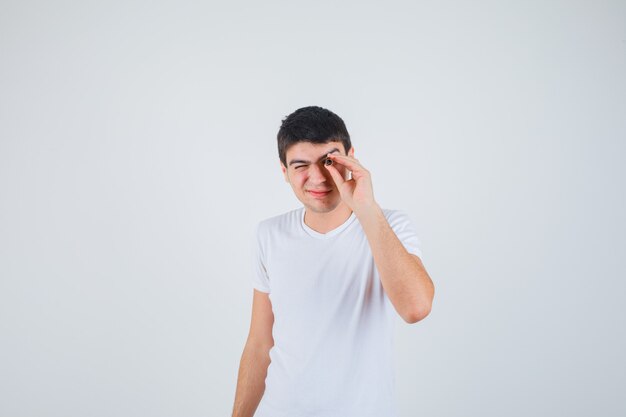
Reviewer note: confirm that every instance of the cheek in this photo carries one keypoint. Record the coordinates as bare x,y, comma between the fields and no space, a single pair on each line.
299,178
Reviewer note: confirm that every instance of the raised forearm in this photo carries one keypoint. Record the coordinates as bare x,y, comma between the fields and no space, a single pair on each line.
251,380
403,276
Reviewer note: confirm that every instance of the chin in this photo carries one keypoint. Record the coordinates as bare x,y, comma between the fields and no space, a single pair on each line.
322,207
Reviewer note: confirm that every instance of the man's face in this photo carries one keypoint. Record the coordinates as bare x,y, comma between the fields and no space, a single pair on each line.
305,172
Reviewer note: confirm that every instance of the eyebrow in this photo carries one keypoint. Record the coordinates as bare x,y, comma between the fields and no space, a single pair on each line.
302,161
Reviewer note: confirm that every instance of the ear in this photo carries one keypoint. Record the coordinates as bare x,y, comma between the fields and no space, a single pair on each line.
284,169
347,173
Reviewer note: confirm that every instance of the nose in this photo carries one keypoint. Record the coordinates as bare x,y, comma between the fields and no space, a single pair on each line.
318,174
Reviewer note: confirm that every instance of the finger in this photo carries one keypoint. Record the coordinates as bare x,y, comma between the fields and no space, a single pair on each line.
336,175
351,163
358,170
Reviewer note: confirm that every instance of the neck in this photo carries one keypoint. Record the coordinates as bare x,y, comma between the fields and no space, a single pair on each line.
325,222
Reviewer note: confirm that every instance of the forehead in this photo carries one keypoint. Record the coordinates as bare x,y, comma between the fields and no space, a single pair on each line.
312,150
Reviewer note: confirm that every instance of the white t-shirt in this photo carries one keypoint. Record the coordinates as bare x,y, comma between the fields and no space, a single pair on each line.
333,322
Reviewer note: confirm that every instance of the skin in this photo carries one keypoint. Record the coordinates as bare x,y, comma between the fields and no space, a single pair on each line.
322,213
402,274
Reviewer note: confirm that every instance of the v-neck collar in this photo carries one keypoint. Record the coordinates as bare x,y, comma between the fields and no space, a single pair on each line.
328,234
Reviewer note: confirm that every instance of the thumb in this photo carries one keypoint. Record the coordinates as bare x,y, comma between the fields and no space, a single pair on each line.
336,175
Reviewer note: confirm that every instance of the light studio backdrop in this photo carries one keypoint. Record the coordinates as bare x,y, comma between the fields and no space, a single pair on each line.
138,152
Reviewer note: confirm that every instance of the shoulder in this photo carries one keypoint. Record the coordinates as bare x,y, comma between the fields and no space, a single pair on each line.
281,222
396,215
399,220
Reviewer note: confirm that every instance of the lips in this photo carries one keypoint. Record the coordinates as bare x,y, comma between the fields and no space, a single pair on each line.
321,193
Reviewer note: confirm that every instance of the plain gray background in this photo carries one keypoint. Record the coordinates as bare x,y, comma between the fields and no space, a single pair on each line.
138,152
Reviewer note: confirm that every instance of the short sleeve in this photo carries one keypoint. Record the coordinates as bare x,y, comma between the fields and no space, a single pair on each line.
404,228
260,279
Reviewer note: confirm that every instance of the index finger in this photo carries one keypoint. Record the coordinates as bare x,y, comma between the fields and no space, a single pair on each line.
351,163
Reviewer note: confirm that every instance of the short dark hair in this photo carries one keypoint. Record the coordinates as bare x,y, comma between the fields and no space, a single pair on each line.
311,124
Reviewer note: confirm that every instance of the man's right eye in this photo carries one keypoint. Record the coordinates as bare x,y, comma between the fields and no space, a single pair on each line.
300,166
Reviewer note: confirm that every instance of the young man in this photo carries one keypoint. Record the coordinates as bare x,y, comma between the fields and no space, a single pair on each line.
330,279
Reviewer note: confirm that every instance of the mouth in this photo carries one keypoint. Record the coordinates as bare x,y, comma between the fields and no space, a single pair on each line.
319,193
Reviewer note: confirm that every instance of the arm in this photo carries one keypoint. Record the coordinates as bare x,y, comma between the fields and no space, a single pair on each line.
403,276
255,358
